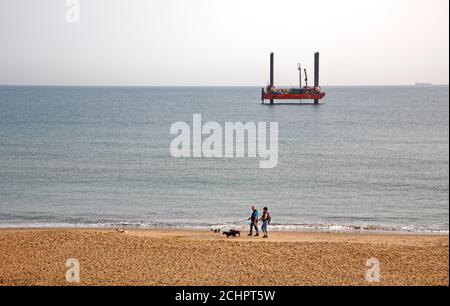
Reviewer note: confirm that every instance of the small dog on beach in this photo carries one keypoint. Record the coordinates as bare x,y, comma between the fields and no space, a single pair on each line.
216,231
121,231
236,232
232,233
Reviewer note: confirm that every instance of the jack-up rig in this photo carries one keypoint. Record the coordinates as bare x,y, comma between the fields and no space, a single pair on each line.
306,92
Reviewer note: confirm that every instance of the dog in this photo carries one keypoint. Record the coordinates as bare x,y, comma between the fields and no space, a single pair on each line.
232,233
236,232
229,234
216,231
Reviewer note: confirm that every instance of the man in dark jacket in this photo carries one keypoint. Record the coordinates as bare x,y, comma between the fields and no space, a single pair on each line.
254,221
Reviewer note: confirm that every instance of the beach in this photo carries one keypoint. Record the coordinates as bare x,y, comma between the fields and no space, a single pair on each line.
194,257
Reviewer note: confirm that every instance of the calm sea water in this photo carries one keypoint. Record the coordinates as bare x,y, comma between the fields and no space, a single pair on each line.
375,158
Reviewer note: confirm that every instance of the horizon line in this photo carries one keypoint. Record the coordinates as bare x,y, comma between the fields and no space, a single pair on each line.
256,86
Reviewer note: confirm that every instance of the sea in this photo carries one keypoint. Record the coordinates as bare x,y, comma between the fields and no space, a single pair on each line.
369,159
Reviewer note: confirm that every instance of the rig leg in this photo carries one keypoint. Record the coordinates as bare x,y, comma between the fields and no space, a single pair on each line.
272,60
316,73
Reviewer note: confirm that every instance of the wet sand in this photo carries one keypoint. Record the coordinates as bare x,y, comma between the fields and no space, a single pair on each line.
181,257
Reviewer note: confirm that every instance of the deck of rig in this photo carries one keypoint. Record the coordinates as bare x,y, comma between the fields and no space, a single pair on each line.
306,92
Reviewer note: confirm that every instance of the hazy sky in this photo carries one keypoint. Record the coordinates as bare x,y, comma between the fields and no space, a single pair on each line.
223,42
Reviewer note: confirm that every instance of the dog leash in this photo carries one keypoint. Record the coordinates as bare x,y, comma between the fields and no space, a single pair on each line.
231,223
235,222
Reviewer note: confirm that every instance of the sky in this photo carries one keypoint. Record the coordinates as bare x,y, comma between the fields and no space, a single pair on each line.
222,42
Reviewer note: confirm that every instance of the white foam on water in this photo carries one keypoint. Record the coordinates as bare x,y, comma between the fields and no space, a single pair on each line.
331,228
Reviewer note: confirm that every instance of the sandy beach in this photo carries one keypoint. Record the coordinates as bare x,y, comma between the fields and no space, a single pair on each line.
179,257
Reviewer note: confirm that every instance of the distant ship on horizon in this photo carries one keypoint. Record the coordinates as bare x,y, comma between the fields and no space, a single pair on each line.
423,84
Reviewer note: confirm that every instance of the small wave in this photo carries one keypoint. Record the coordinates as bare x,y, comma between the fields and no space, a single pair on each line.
339,228
331,228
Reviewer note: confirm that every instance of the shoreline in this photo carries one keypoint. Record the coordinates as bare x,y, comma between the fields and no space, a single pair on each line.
194,257
243,229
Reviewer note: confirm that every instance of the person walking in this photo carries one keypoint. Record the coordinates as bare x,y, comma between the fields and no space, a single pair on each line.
254,222
265,222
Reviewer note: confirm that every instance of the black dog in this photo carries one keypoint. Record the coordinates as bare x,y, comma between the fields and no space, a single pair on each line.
216,231
237,233
232,233
228,234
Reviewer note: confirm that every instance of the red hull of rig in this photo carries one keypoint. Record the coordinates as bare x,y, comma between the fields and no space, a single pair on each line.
315,96
315,93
